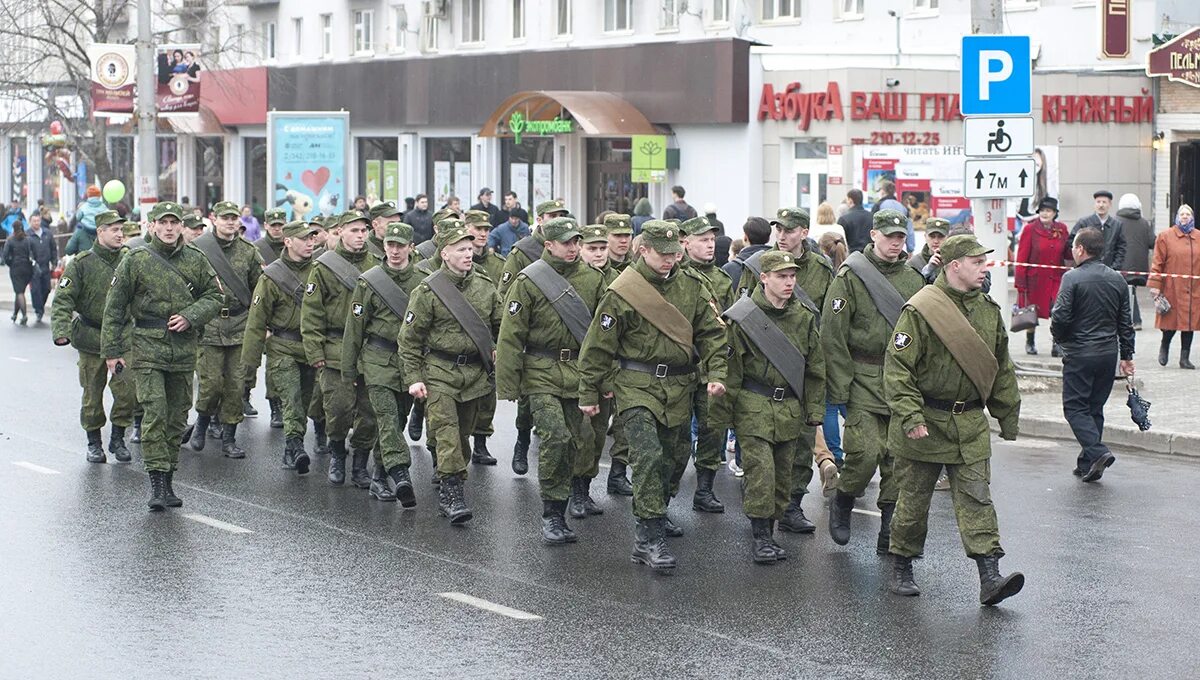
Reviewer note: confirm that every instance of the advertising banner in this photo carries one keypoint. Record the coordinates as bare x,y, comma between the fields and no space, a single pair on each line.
306,161
113,75
178,73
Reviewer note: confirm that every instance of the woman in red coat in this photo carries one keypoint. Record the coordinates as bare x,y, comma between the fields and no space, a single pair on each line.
1177,251
1042,242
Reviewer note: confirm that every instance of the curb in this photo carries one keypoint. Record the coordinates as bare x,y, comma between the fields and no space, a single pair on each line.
1118,437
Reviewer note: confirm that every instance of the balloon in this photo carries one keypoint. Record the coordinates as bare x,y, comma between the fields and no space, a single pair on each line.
56,128
114,190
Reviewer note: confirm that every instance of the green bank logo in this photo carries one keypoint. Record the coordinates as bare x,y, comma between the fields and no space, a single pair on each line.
519,125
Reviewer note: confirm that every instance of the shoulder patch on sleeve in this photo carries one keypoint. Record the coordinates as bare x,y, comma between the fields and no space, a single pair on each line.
65,282
310,288
514,308
506,277
254,302
357,309
901,341
838,304
607,322
408,318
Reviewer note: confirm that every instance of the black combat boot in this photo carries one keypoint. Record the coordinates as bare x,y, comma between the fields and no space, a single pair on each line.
839,517
994,588
200,432
380,490
480,454
214,429
116,445
902,577
780,553
670,529
402,487
794,519
886,510
276,414
170,498
575,501
187,434
337,462
247,409
95,447
763,551
416,420
589,504
229,446
520,461
554,524
358,469
295,457
136,437
650,547
618,484
451,503
322,447
705,500
158,491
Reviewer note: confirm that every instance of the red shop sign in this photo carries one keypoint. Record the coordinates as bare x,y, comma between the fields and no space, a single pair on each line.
1114,28
1178,60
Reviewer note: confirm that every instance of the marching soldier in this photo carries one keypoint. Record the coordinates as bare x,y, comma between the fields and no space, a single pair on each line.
276,308
427,260
861,309
777,386
651,321
270,247
491,264
547,313
222,379
377,309
620,236
382,214
75,319
448,354
133,235
193,227
946,360
168,292
331,284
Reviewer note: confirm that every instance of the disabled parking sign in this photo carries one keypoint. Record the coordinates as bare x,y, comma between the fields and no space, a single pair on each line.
997,75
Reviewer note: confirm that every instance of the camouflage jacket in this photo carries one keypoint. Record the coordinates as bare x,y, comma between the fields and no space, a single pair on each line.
274,309
491,264
513,264
226,329
370,316
814,276
78,306
326,304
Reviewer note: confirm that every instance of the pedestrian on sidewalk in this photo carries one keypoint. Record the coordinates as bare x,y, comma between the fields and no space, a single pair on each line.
18,257
44,251
1043,241
1176,253
1111,227
1139,242
1091,322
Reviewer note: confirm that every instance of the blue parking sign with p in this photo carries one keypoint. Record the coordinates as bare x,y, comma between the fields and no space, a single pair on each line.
997,75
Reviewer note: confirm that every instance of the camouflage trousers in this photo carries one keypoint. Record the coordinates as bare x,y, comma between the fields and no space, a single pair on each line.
221,382
316,406
767,484
166,397
659,457
524,418
970,491
272,389
487,414
558,424
93,376
296,382
450,422
391,413
593,433
619,451
709,442
865,444
346,405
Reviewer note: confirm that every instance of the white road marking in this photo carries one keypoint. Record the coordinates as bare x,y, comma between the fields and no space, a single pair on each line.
216,523
36,468
491,606
20,359
867,512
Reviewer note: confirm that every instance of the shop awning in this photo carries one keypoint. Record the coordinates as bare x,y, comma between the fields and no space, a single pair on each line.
596,113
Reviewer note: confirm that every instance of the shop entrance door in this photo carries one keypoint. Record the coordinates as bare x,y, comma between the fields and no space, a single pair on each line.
610,184
1185,180
811,179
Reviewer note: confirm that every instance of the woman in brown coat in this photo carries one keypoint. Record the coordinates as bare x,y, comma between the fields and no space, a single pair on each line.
1177,251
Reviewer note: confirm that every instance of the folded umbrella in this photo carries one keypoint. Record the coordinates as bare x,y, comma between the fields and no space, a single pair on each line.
1139,408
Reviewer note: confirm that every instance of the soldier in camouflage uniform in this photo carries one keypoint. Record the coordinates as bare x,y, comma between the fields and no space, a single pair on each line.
75,319
222,378
655,374
489,263
537,356
938,420
167,291
382,214
322,325
370,348
133,235
193,228
316,408
620,235
276,308
444,366
270,247
855,336
426,266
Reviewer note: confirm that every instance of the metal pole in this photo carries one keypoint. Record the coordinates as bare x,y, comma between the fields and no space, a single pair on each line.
987,16
147,173
991,215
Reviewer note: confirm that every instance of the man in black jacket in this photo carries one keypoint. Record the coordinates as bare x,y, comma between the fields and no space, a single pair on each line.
755,234
856,222
1090,320
1109,224
45,258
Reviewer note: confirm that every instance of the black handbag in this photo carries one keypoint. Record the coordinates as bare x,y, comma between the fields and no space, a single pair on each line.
1024,318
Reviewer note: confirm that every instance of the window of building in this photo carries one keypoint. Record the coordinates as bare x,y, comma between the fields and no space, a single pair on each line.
254,157
562,19
518,19
448,170
168,169
429,34
719,13
298,36
268,35
618,15
610,177
210,171
472,21
925,6
850,9
239,38
780,10
399,28
364,31
51,183
527,169
379,168
326,36
668,15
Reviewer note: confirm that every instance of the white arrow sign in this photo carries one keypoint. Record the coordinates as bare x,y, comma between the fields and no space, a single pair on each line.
999,178
998,136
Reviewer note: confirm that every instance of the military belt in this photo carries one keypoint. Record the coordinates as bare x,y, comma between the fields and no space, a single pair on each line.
656,370
231,312
88,322
862,358
553,354
382,342
456,359
333,332
772,393
283,334
150,323
954,407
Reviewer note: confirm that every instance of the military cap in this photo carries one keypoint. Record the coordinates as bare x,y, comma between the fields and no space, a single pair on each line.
275,216
888,222
791,218
317,220
618,224
963,245
443,214
697,226
478,218
561,229
777,260
131,229
166,208
384,209
226,208
662,236
937,225
353,216
451,231
298,229
193,221
550,207
107,217
594,233
398,232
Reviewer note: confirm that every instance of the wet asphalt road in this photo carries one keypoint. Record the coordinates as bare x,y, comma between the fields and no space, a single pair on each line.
330,584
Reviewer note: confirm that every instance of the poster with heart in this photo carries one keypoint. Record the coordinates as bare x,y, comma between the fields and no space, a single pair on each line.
306,162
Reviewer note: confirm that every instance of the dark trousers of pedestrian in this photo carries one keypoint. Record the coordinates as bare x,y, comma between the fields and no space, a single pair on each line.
39,288
1134,307
1087,382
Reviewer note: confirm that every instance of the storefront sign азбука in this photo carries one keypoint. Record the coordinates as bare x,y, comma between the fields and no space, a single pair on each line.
519,125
